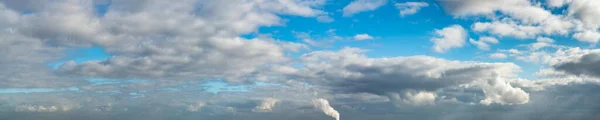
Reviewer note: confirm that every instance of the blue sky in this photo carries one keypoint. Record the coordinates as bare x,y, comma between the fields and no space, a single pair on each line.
296,59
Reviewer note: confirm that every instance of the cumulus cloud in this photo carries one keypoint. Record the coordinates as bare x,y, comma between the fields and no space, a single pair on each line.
483,43
453,36
413,98
176,46
359,6
409,8
511,29
499,91
589,36
541,43
266,105
323,105
195,107
198,42
586,11
363,37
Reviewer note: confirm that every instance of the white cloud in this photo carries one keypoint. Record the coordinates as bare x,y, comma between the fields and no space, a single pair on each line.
363,37
453,36
195,107
409,8
497,56
507,29
358,6
266,105
586,11
589,36
541,43
325,19
161,40
41,108
499,91
413,98
483,43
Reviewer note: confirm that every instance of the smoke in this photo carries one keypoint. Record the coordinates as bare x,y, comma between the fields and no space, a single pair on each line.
266,105
324,106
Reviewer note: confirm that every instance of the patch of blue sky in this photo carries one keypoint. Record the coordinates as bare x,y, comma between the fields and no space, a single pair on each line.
109,92
136,94
101,7
220,86
80,55
104,81
36,90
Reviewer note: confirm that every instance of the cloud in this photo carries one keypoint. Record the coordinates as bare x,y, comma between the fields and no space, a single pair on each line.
482,44
325,19
41,108
323,105
587,36
199,42
195,107
266,105
479,7
349,71
453,36
363,37
497,56
359,6
177,47
507,29
499,91
586,11
409,8
585,65
413,98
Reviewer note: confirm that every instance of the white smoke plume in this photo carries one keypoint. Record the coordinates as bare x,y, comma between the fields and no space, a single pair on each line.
324,106
266,105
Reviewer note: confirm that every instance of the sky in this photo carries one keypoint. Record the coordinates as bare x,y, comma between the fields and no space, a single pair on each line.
299,59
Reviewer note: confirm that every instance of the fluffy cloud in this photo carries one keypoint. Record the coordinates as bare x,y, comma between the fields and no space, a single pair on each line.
359,6
410,8
586,11
589,36
507,29
483,43
197,41
266,105
413,98
453,36
499,91
363,37
177,45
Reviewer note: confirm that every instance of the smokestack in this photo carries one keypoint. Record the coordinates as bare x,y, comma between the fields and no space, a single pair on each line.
324,106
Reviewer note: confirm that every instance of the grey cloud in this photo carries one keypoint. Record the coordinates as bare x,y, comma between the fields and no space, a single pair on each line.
586,65
349,71
157,40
